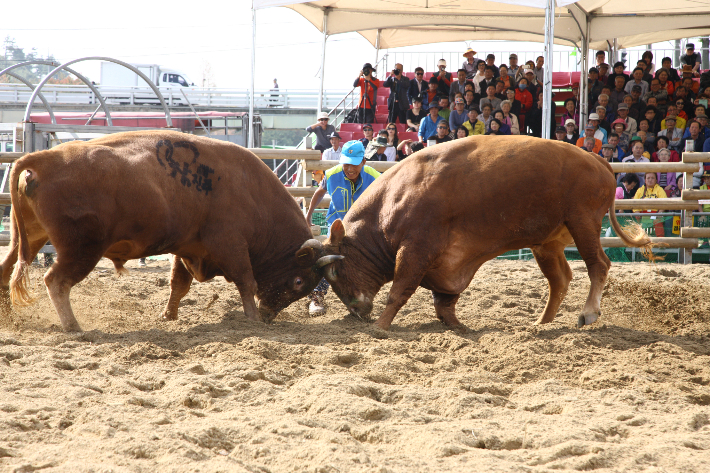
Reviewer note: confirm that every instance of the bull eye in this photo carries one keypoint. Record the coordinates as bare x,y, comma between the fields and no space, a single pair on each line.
298,282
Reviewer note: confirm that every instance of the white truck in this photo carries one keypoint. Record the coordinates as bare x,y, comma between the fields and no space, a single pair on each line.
119,84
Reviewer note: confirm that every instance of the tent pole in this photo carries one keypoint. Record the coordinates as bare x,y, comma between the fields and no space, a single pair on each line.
322,61
615,59
583,81
377,47
547,105
250,143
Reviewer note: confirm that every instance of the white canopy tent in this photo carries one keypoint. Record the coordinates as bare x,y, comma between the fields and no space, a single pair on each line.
583,24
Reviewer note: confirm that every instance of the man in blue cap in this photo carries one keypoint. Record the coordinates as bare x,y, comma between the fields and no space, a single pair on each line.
345,183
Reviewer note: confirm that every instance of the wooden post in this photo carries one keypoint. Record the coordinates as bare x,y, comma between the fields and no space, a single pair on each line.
687,216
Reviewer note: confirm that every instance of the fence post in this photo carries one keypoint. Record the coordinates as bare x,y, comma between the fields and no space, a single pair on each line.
687,217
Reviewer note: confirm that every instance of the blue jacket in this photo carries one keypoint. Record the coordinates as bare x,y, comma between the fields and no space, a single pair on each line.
427,127
344,192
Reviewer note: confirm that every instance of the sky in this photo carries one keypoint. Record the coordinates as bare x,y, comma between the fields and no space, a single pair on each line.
210,42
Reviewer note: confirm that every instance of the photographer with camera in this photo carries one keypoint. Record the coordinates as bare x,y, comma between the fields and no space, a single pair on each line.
398,102
368,88
442,79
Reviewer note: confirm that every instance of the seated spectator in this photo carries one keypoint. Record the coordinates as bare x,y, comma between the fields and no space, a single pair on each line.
607,153
473,124
539,70
603,72
533,120
524,96
427,127
461,132
635,104
469,64
603,122
522,70
533,85
442,132
505,129
667,65
696,134
491,61
603,100
398,100
431,96
415,115
333,153
599,133
513,67
617,151
689,94
508,118
651,190
680,106
488,80
659,93
322,131
654,120
651,103
686,80
560,133
367,131
705,186
480,76
458,86
392,141
618,72
368,87
667,180
661,144
646,76
507,81
629,184
442,79
515,105
672,134
494,127
490,98
589,143
691,59
458,115
637,81
444,109
647,58
571,135
375,151
672,112
647,138
575,91
594,86
618,93
471,100
407,148
418,87
500,91
600,57
636,156
571,112
619,127
663,77
589,131
486,115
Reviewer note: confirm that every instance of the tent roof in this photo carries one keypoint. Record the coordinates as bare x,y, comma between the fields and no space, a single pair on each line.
411,22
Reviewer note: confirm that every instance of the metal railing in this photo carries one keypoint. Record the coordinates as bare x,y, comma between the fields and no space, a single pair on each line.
234,98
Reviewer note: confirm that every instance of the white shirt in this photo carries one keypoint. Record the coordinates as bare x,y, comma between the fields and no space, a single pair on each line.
332,154
391,153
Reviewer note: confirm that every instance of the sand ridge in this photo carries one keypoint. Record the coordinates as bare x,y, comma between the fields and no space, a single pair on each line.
216,392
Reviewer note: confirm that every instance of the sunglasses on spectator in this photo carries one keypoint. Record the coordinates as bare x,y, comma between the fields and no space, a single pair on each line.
367,128
393,129
420,73
441,127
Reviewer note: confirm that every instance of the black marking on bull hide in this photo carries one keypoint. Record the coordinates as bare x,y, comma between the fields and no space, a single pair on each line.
189,173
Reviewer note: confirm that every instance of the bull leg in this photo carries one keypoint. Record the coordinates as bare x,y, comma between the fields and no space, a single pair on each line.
408,274
237,267
553,264
180,281
445,306
586,237
64,274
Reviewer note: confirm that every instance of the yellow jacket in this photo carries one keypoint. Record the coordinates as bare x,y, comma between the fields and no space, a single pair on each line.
656,192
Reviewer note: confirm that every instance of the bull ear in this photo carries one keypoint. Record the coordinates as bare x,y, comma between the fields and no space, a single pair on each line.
337,233
306,257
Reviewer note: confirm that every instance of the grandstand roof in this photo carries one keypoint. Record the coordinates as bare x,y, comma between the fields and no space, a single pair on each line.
410,22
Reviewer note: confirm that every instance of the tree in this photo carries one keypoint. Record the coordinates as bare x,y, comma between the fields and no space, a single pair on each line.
33,73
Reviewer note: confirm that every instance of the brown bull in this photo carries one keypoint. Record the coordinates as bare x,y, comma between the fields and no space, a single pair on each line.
213,204
435,218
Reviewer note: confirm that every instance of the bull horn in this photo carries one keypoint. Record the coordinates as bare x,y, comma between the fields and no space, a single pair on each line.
312,243
326,260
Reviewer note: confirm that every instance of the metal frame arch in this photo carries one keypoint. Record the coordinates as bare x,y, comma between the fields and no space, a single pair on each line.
8,71
168,119
36,91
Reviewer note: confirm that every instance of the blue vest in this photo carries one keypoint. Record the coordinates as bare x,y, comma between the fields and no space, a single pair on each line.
344,192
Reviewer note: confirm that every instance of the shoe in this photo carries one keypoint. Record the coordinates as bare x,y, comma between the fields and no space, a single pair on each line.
317,306
141,263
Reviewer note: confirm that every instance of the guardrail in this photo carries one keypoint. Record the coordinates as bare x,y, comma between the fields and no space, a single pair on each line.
233,98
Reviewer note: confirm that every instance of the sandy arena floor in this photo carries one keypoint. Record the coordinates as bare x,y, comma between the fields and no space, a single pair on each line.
214,392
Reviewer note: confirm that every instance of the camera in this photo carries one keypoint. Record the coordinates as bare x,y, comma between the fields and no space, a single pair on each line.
396,71
367,69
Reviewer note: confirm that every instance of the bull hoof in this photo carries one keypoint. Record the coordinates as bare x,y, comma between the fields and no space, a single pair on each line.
382,325
168,316
72,328
587,319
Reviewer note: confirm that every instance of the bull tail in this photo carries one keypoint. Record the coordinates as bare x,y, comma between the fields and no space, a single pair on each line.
20,280
632,234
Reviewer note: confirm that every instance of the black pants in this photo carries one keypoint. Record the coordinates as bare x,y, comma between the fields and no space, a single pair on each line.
393,115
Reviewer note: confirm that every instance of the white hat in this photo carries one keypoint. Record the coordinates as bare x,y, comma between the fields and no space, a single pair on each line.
442,62
593,116
323,115
570,121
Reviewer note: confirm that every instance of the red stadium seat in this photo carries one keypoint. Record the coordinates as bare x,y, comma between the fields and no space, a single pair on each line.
381,100
560,97
410,75
381,119
383,91
561,80
401,127
357,135
427,76
574,77
378,126
409,135
345,136
381,110
351,127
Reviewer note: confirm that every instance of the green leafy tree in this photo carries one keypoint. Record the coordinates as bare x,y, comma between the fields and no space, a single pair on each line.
12,54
